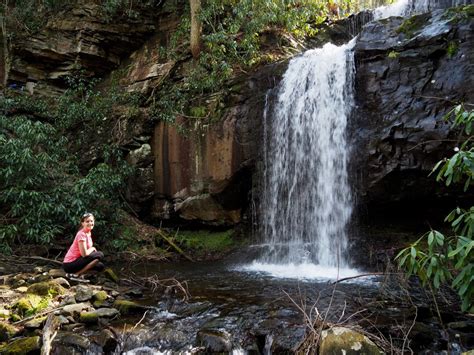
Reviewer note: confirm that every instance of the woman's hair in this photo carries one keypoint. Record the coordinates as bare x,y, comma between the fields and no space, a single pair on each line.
86,215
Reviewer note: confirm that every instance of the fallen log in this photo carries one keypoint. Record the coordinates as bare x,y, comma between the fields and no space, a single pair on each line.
172,244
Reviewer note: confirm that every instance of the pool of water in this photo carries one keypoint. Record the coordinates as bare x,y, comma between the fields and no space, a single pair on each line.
236,309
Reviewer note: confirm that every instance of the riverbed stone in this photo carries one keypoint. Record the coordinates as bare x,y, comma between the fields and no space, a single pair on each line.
93,316
214,340
21,346
106,339
67,300
35,323
340,340
70,338
73,309
83,293
128,307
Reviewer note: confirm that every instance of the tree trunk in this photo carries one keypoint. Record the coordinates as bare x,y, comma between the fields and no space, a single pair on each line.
196,28
4,53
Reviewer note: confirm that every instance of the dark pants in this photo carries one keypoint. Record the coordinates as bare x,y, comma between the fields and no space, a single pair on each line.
82,261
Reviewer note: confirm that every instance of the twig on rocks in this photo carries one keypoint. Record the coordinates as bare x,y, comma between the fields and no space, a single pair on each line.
38,315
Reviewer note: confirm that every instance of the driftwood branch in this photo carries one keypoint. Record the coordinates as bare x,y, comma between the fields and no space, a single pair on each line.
57,262
173,244
364,275
49,332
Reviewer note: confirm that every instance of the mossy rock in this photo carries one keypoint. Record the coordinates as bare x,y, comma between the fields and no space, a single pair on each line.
22,346
35,323
111,275
340,340
128,307
412,25
93,316
88,317
30,304
99,298
469,10
51,288
7,331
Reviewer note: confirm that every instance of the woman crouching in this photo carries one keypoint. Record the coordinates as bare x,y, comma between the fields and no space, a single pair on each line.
82,256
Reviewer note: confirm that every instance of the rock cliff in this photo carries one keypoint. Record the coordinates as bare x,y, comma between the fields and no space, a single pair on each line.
410,72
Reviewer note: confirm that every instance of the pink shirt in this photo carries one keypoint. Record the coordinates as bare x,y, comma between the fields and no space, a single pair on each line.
74,253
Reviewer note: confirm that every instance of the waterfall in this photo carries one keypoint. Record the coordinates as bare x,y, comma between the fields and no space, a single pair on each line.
307,202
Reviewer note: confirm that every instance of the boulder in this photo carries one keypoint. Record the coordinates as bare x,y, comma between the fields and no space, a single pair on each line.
340,340
83,293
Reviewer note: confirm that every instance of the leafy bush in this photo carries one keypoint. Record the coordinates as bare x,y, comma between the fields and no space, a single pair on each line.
450,258
42,192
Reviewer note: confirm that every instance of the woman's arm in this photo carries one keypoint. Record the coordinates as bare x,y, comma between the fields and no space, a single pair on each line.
82,248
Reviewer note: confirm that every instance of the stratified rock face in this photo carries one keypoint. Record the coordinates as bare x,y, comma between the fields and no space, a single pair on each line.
79,40
204,174
410,73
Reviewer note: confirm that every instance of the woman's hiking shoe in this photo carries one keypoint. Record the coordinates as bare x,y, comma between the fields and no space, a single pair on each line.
77,278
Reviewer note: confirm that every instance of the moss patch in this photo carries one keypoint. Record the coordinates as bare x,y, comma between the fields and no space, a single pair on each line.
7,331
30,304
452,49
393,54
88,317
50,288
128,307
111,275
99,298
412,25
206,241
21,346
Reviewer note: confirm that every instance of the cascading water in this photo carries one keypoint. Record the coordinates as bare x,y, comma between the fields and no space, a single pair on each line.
409,7
307,199
306,203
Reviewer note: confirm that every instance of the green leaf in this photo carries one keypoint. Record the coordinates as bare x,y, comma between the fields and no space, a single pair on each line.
430,238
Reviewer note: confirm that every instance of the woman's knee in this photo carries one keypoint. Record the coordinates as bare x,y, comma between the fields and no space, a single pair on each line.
96,255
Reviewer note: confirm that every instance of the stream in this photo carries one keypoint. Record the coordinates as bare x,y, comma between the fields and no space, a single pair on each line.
236,312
